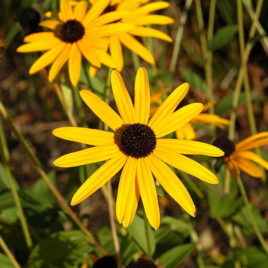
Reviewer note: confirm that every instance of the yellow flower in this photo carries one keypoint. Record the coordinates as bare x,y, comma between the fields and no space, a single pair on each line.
238,157
136,146
75,33
187,131
137,14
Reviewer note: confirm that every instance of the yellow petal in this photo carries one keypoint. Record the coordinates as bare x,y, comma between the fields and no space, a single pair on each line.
109,17
148,8
150,19
134,45
253,141
104,58
172,184
74,64
36,37
66,12
249,168
128,194
59,62
80,10
252,156
88,136
148,192
39,46
116,53
101,109
177,119
98,179
142,96
94,41
95,11
169,105
113,28
122,99
88,53
204,118
150,32
50,24
186,132
190,147
185,164
46,58
87,156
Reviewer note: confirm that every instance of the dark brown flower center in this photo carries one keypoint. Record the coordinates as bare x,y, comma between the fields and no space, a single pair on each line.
137,140
225,144
71,31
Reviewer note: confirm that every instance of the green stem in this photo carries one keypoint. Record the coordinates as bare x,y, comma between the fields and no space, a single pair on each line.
179,34
107,190
198,246
64,105
147,235
204,45
241,72
136,60
61,200
251,216
22,218
251,118
8,252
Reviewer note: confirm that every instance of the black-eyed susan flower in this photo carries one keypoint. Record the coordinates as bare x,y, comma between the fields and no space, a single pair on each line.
138,14
136,145
187,131
77,31
238,157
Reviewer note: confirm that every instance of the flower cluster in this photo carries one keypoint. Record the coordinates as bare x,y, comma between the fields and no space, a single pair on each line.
95,33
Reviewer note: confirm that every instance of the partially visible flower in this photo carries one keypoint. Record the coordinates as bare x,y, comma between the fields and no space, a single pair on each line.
138,15
238,157
136,146
187,131
29,19
76,32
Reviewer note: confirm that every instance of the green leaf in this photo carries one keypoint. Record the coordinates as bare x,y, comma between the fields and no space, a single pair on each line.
250,257
128,249
177,224
223,205
225,104
227,10
137,232
222,37
193,79
242,218
106,239
5,262
175,256
68,249
40,192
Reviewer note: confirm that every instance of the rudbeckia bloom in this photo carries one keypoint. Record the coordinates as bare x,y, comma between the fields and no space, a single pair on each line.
187,131
75,33
136,146
238,157
138,15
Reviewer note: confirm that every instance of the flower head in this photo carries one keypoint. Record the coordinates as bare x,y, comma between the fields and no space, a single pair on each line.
238,157
77,31
136,145
138,14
